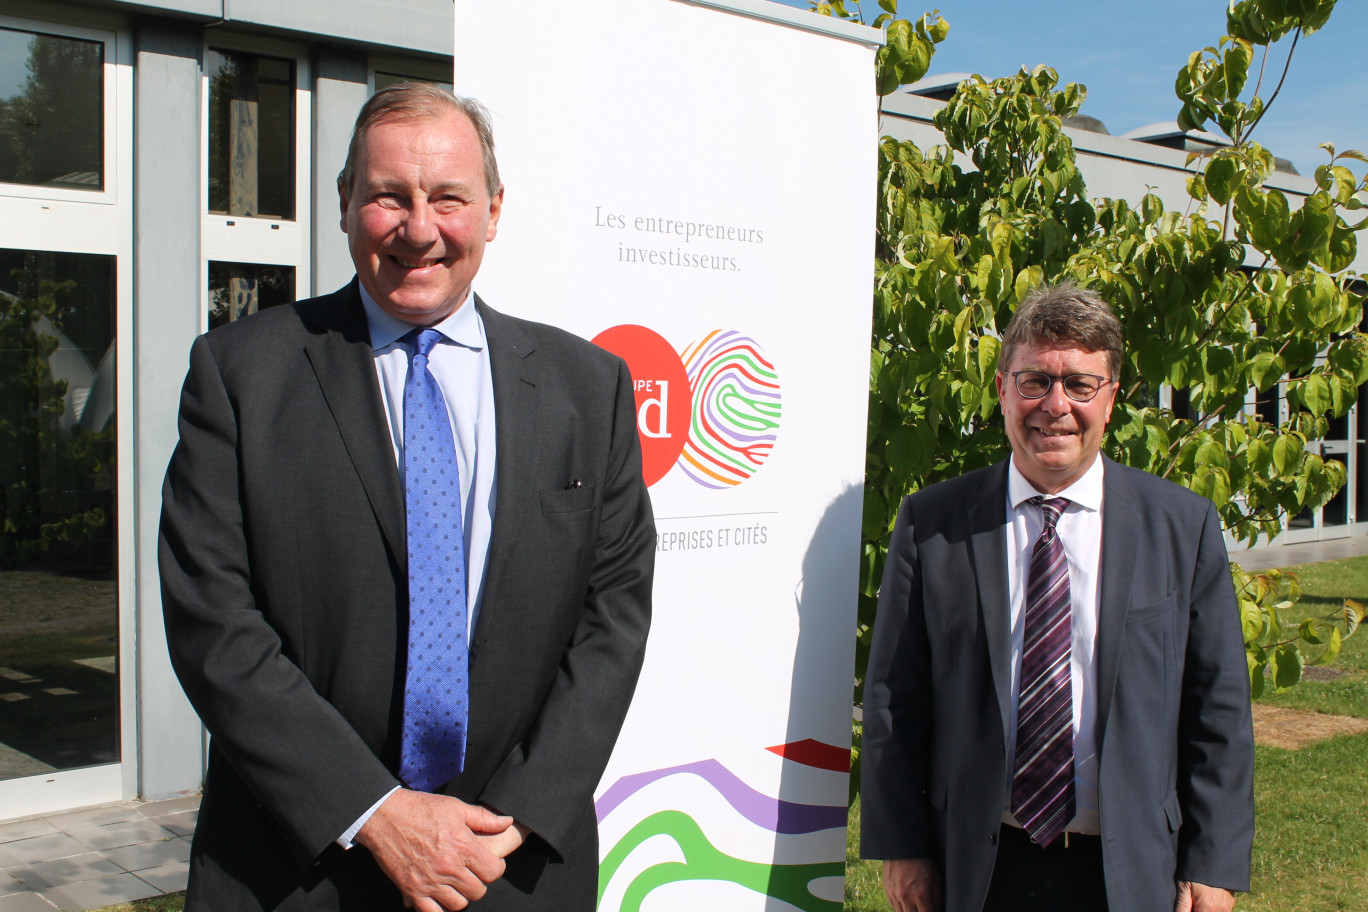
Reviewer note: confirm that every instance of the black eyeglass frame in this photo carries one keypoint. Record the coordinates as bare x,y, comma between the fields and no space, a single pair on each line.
1063,380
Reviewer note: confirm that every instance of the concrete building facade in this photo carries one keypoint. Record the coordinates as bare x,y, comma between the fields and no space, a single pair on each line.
164,166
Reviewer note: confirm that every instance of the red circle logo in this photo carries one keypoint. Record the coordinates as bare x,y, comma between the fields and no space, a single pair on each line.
663,397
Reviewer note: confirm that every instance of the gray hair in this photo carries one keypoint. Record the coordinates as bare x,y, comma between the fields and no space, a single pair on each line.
409,101
1068,314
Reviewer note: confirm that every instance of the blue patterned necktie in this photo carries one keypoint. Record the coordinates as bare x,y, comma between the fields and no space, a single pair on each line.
436,710
1043,781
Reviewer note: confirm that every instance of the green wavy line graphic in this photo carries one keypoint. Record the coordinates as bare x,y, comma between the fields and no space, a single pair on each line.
702,861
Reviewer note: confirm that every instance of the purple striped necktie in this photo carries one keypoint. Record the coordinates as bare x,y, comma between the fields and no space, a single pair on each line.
1043,781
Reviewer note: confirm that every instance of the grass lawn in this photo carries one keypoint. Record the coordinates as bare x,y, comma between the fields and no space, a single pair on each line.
1311,842
172,902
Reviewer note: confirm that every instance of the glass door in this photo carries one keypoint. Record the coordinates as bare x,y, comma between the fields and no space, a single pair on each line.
63,237
1337,517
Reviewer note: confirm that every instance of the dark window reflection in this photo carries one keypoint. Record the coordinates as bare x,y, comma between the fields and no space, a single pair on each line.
1336,511
239,289
385,80
58,598
51,111
1361,495
251,134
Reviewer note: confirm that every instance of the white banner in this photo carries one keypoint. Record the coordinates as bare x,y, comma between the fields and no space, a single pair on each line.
694,189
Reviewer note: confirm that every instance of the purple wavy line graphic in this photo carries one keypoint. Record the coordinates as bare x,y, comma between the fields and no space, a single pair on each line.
774,814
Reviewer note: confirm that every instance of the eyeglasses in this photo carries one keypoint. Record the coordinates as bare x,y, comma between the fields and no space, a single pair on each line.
1078,387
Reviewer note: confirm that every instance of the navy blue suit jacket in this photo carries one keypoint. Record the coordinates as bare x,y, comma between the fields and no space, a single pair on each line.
1175,735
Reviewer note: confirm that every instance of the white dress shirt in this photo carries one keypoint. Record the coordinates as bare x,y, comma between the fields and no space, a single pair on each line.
1080,529
460,364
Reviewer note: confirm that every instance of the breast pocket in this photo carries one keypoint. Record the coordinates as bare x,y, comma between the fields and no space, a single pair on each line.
1138,614
569,500
1148,670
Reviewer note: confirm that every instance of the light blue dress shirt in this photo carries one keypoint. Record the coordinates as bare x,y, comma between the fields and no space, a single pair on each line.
461,365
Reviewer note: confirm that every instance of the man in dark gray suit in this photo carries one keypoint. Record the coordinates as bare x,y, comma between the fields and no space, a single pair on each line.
1057,702
354,763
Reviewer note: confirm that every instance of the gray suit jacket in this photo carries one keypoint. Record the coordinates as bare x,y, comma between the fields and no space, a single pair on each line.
284,574
1175,735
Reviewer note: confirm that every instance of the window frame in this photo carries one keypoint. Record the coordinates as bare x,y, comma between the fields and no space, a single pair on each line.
107,195
93,222
251,239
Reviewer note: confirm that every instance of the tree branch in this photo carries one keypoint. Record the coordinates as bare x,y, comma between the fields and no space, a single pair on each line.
1263,65
1216,324
1286,66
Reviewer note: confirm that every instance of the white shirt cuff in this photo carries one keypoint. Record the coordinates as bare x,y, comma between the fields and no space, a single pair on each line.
345,840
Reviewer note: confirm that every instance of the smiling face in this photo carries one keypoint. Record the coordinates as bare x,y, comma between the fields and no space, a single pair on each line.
418,215
1055,439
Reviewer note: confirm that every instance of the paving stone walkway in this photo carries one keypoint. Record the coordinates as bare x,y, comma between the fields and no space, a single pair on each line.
96,856
1266,557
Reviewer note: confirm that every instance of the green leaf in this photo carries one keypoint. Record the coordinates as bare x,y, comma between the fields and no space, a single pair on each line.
1340,250
1287,452
1256,662
1313,224
1251,619
1191,118
886,80
1353,616
1236,67
1263,214
937,29
875,517
1217,486
989,348
1286,665
1332,649
943,255
1028,279
1315,393
1220,179
1265,370
1196,187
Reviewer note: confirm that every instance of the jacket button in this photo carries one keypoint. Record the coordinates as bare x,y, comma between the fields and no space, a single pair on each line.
992,838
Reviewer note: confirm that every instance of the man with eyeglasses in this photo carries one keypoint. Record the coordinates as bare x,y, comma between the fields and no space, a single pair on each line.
1057,708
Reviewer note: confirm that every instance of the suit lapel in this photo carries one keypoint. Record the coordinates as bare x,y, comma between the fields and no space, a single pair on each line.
988,543
339,350
1120,545
516,405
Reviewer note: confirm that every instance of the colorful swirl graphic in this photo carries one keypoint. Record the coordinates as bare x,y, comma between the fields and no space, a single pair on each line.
704,861
735,409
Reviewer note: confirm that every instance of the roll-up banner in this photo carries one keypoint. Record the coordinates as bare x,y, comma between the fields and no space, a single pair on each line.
692,186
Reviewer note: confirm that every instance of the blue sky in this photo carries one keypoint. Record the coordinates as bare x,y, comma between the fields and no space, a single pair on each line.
1128,53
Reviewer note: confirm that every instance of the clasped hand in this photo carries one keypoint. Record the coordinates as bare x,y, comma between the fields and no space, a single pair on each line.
439,851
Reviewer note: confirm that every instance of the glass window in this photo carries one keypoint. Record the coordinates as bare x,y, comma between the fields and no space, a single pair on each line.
251,134
239,289
58,593
51,110
385,80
